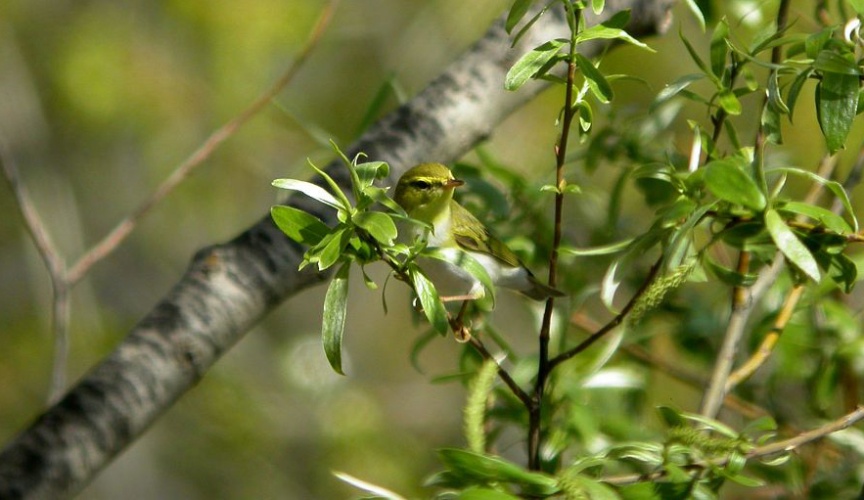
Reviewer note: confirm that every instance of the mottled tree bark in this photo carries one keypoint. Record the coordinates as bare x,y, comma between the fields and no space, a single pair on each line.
230,286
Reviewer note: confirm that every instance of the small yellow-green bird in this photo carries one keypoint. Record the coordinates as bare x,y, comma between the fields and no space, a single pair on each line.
426,193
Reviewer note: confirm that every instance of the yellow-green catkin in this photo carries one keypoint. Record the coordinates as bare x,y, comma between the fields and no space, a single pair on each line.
653,296
479,392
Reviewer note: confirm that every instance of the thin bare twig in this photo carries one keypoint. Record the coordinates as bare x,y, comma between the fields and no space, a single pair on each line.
617,320
55,265
116,236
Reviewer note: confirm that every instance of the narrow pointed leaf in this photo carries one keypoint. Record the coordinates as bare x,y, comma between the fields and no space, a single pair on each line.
311,190
597,82
517,12
788,243
835,187
611,29
337,191
333,246
428,296
719,49
333,324
528,66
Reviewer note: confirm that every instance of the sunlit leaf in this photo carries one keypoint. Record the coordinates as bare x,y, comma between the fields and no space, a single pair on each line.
611,29
529,65
596,81
428,296
788,243
378,491
311,190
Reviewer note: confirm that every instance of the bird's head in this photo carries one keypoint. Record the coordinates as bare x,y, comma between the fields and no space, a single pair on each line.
425,190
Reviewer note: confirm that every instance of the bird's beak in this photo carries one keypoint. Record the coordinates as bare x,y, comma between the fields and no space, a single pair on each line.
453,183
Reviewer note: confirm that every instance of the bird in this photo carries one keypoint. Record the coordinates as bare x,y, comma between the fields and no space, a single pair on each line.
425,192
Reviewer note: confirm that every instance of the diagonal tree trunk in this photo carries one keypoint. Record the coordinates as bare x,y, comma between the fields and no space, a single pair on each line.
229,287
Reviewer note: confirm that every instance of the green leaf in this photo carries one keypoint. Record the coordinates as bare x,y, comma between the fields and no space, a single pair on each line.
788,243
698,60
814,43
300,226
337,191
674,88
597,6
330,249
485,494
379,225
795,90
770,121
729,102
528,66
596,81
378,492
528,25
727,181
598,250
311,190
728,276
694,9
836,104
829,61
821,215
611,29
491,468
835,187
517,12
719,49
428,296
333,325
368,172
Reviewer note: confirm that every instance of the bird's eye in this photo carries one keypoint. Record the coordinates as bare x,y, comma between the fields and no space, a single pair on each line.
421,184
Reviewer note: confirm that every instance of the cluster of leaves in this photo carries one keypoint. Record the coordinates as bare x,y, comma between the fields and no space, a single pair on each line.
542,62
366,231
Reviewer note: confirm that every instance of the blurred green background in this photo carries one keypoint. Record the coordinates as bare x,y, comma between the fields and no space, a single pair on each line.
99,101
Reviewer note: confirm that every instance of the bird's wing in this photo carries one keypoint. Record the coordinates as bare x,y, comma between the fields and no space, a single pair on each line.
471,234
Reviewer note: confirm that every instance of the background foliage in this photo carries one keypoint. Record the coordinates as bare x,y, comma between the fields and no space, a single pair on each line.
100,102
